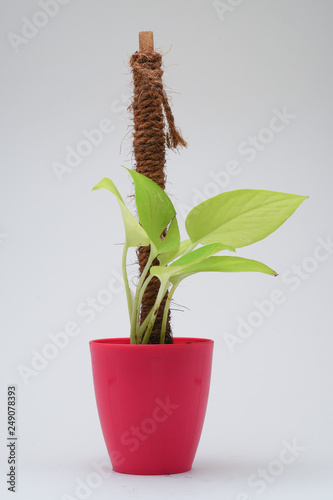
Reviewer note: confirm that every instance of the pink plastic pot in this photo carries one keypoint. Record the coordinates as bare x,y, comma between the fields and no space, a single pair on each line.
152,402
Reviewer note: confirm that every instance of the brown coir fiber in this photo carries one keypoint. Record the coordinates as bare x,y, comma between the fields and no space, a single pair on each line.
154,130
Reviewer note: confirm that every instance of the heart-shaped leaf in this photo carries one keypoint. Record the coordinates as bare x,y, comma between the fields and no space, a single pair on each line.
242,217
223,264
156,212
135,234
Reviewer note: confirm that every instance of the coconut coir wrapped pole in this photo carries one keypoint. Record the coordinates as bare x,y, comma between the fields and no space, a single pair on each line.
154,130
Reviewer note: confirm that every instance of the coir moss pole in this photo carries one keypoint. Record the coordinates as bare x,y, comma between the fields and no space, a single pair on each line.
154,131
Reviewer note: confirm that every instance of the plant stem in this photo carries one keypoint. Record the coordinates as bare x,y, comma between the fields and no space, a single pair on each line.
165,313
144,325
136,303
125,278
162,290
142,291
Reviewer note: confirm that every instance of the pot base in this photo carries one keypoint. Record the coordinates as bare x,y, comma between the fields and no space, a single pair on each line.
159,473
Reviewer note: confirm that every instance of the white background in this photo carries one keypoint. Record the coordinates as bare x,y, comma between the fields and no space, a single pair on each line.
227,69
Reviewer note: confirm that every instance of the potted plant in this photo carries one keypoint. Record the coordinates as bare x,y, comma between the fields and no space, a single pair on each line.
152,398
152,389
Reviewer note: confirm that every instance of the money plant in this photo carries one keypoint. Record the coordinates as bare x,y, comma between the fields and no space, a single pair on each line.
223,223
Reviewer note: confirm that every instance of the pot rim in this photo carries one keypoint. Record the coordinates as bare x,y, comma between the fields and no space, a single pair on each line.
125,342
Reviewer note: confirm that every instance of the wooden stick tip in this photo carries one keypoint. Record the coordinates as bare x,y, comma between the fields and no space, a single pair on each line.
146,41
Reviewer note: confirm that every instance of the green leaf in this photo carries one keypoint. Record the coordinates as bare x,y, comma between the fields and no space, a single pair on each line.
224,264
135,234
183,263
239,218
155,211
166,257
229,264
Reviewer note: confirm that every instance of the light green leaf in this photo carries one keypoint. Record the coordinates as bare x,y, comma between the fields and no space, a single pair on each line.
230,264
155,211
181,265
239,218
166,257
224,264
135,234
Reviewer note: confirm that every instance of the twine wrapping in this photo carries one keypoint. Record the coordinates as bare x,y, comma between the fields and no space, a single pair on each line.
154,130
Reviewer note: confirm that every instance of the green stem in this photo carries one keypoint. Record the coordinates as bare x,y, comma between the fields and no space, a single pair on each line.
144,325
142,291
162,290
165,313
125,278
136,303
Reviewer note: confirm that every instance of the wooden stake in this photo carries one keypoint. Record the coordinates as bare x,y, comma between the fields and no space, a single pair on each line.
146,41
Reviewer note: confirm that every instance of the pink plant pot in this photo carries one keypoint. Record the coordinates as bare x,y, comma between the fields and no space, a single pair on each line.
152,402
